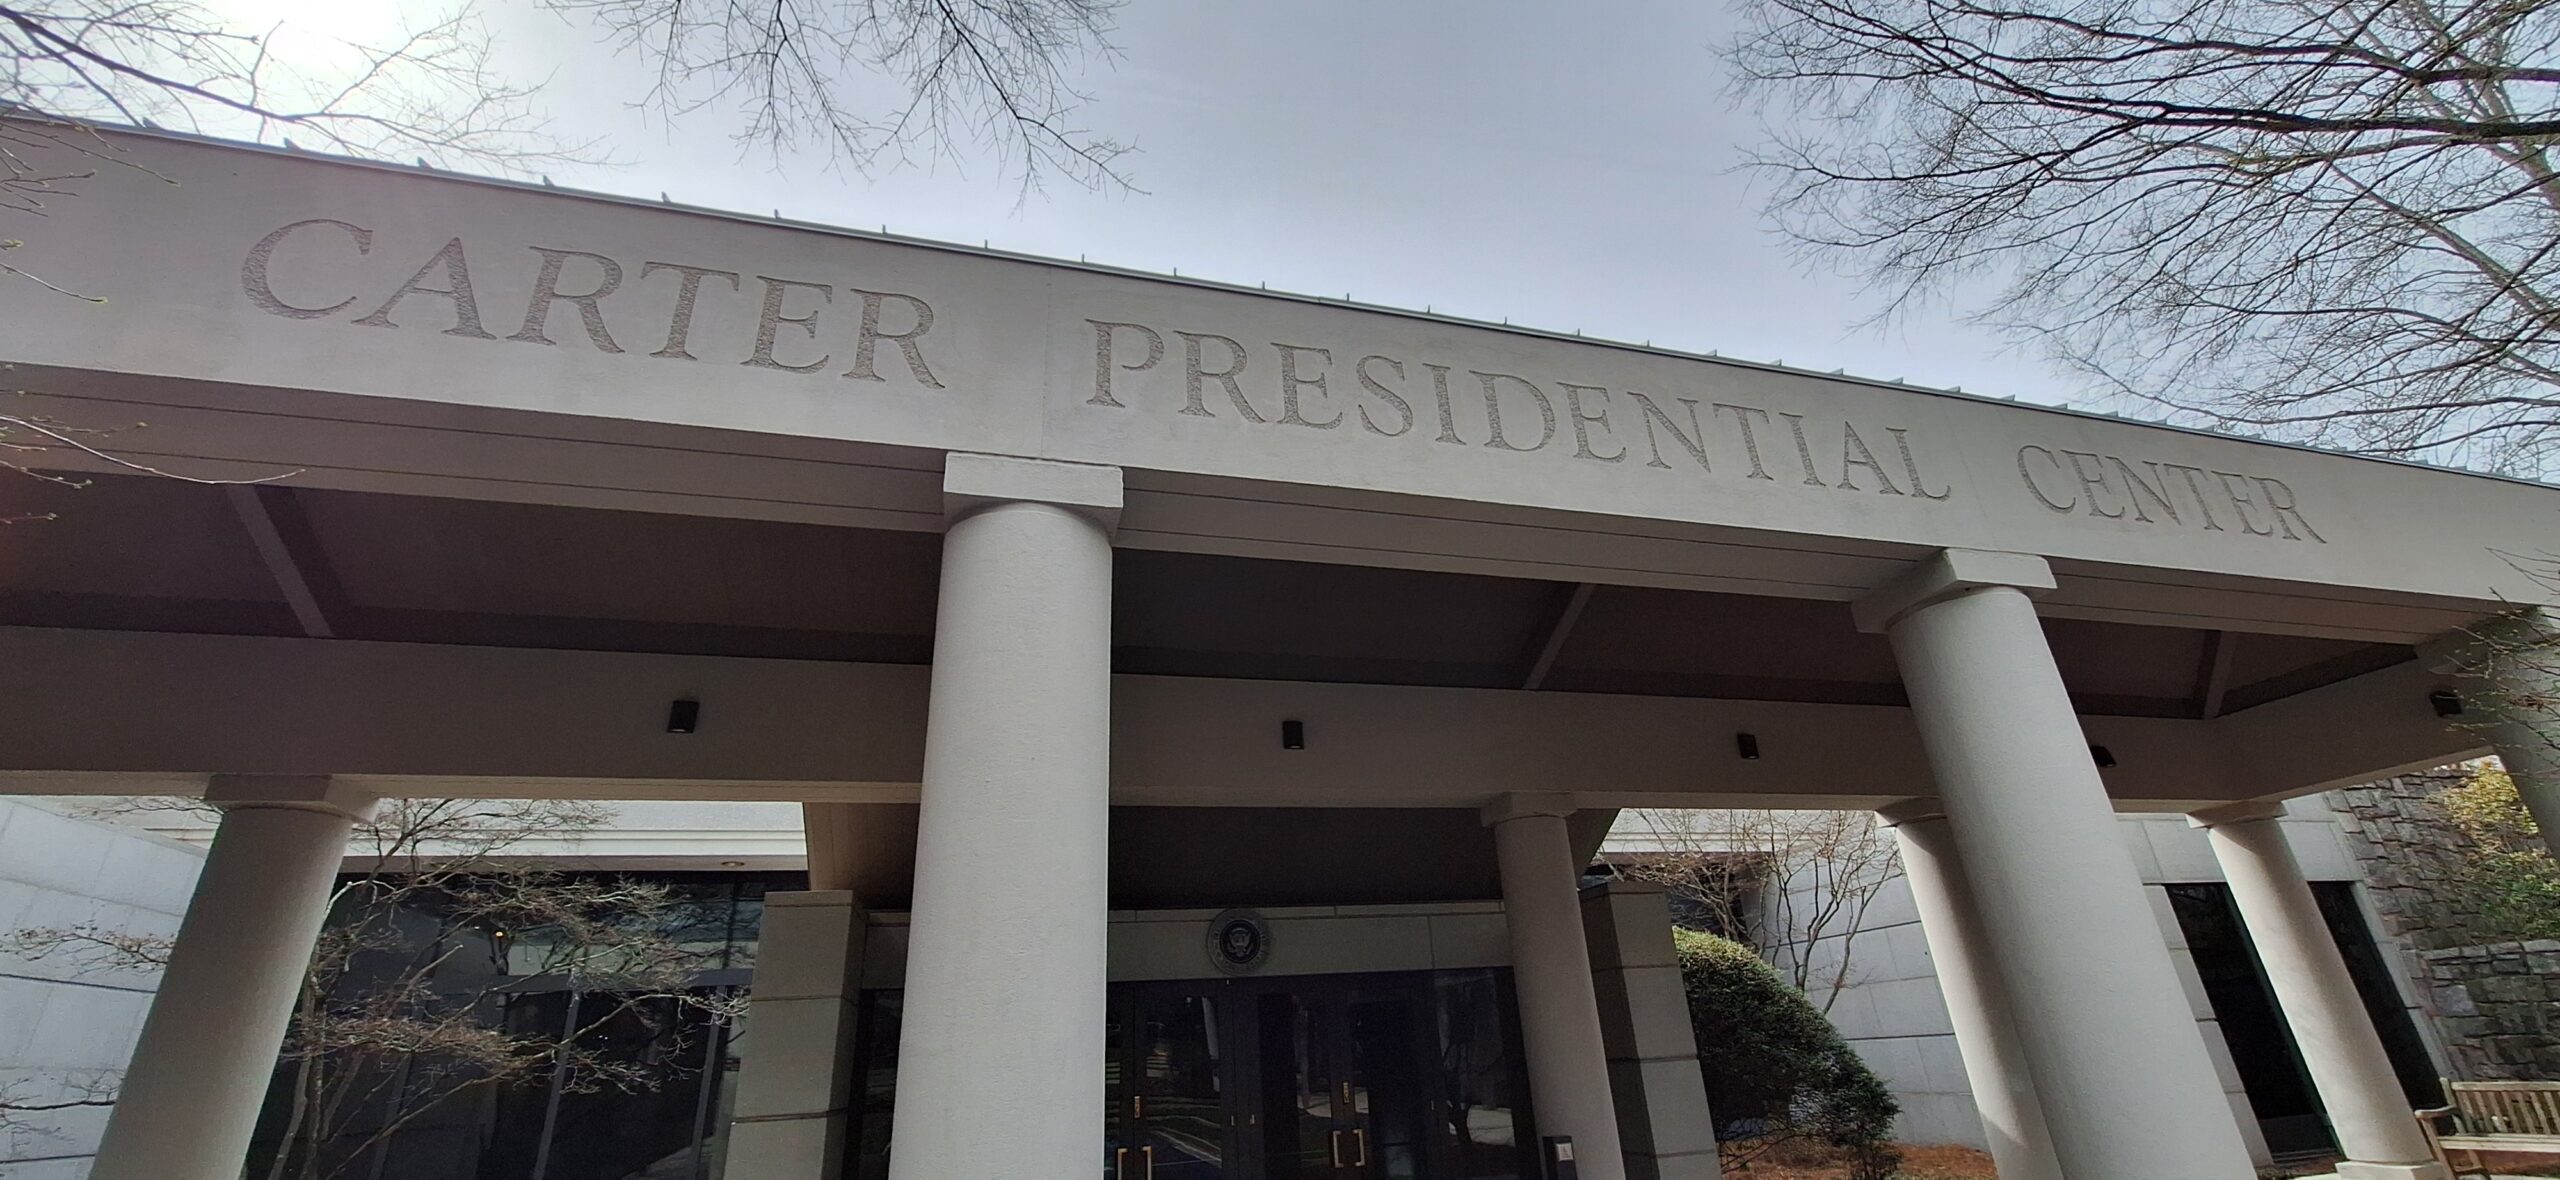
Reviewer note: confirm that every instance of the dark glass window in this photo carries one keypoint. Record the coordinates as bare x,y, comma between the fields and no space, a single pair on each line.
875,1079
2271,1073
2376,984
2280,1094
650,1102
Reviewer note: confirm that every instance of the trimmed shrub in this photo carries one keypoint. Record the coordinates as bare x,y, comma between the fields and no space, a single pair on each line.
1775,1068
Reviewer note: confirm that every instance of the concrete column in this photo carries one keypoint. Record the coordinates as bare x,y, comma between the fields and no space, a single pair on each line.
1551,971
2510,683
2367,1110
795,1087
2119,1066
1960,950
1663,1121
208,1049
1000,1054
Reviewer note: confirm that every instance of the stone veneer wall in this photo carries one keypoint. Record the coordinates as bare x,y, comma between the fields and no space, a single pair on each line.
2406,852
2496,1007
2499,1007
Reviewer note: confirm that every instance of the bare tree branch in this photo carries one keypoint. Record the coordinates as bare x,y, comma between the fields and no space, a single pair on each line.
994,75
2334,221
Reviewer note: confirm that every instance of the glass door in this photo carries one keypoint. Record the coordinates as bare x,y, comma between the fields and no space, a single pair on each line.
1387,1111
1342,1094
1349,1077
1169,1086
1297,1114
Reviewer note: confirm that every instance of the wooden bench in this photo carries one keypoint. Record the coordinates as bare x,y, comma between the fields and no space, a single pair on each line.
2521,1117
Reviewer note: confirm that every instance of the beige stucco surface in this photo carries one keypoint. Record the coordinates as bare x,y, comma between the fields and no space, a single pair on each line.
273,270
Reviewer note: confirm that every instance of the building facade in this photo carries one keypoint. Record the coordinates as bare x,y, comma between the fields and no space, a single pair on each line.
1073,603
68,1019
1889,1005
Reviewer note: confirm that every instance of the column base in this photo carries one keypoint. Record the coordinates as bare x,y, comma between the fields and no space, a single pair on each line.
2359,1170
809,1148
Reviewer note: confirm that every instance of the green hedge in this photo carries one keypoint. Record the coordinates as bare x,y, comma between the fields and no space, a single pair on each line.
1775,1068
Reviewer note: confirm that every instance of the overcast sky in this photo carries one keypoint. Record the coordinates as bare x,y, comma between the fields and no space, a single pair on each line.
1569,167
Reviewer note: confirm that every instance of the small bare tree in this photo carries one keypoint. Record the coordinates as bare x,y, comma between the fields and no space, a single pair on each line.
2336,221
1786,881
395,1019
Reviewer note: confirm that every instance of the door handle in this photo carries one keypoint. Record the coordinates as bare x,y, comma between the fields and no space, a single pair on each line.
1148,1153
1360,1139
1120,1164
1334,1138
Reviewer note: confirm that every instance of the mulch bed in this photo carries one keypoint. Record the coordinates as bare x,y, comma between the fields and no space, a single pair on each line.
1806,1162
1809,1162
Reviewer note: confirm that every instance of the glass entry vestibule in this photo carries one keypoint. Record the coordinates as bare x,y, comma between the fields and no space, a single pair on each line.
1396,1076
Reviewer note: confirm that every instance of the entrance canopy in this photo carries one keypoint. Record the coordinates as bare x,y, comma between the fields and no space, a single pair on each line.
547,462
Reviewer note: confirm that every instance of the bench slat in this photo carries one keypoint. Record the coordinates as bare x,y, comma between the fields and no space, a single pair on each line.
2526,1143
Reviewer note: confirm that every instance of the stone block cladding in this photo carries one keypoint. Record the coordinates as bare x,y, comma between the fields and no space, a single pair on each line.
2496,1006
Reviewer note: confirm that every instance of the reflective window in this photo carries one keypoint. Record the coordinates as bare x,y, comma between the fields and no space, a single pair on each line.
495,1030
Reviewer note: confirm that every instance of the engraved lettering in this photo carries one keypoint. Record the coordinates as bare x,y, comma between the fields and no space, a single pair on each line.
1104,334
1582,422
1493,410
910,343
2149,489
2094,481
1440,393
1911,467
1804,450
1854,453
1694,442
457,287
2036,489
1291,384
253,270
547,292
2280,501
1378,389
2240,502
2195,487
769,322
2136,488
688,290
1193,375
1750,441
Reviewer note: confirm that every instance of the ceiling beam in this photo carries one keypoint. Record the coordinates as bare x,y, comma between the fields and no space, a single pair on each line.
290,552
1559,628
2213,673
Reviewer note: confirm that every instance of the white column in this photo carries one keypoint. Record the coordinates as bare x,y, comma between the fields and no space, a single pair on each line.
1995,1063
208,1049
2344,1055
2119,1064
2510,669
1551,972
1000,1056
